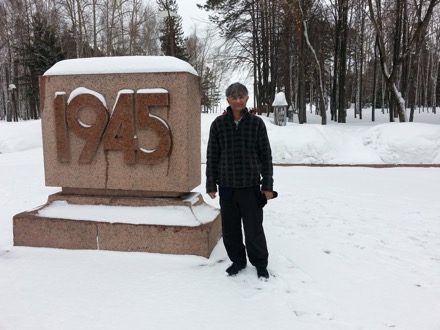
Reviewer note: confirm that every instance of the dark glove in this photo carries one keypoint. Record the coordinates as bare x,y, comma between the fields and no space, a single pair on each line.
262,200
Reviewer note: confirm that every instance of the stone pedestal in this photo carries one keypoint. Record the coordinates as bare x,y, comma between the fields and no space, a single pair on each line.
121,132
194,227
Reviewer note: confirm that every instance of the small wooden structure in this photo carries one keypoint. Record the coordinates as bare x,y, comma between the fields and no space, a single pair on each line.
280,109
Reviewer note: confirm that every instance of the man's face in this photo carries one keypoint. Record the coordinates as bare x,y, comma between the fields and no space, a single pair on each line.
237,102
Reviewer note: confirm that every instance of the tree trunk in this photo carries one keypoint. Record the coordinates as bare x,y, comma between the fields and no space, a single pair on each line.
373,98
342,112
398,58
299,32
321,105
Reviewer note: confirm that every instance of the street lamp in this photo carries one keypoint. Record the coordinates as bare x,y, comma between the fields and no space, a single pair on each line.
12,113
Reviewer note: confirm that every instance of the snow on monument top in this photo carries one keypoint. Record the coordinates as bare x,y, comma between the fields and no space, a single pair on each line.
120,64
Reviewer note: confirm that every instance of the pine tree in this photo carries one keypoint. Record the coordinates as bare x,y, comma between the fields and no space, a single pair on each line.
43,51
205,90
209,90
171,34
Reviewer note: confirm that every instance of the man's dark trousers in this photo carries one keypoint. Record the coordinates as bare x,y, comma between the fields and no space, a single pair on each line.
239,204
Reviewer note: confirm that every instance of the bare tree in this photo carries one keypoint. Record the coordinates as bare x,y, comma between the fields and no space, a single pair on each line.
321,101
423,11
203,53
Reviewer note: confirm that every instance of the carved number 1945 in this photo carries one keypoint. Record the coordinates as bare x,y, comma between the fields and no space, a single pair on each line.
119,132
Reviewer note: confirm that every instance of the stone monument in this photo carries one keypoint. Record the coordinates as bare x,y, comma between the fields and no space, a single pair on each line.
121,137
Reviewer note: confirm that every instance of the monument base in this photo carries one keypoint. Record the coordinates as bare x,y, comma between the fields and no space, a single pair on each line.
184,225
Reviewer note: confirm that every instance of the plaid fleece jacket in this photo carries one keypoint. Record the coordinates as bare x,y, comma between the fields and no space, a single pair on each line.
238,156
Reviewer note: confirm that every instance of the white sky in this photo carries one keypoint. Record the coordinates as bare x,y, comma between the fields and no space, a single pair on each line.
191,15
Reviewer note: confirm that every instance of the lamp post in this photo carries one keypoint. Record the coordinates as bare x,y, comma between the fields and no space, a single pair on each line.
12,113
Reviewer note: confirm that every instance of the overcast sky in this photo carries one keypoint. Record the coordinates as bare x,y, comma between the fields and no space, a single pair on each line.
191,15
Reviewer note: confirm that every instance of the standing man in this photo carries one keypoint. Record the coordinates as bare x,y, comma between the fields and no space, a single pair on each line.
239,160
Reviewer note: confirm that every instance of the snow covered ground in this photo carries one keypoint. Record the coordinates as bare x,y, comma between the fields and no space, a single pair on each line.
350,247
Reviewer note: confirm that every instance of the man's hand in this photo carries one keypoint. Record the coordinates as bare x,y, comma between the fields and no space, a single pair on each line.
212,194
268,194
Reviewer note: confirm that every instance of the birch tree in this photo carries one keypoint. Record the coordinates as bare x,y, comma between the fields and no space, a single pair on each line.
421,15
